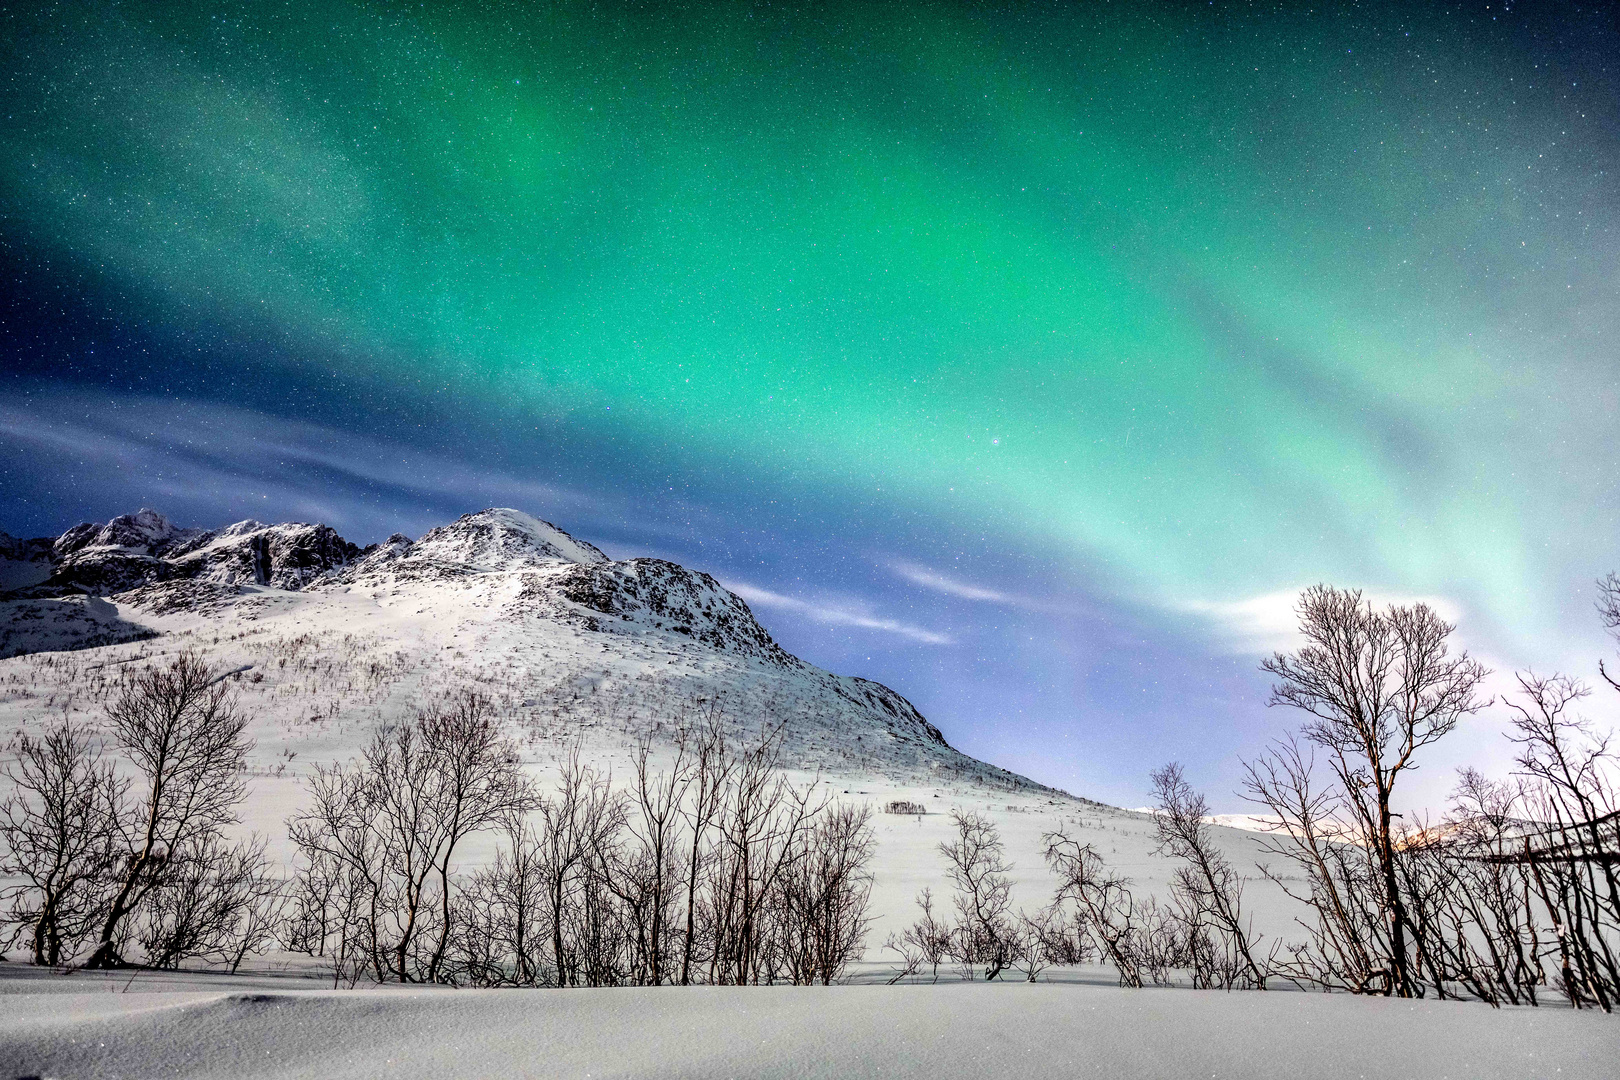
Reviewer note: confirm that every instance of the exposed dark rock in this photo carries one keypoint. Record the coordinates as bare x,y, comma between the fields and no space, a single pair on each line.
20,550
288,556
655,594
880,696
75,538
104,571
379,556
203,539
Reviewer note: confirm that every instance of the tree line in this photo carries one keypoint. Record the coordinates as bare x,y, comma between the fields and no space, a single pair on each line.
714,869
1511,894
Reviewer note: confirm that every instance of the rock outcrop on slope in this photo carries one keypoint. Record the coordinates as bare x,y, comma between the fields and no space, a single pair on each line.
651,594
565,639
250,553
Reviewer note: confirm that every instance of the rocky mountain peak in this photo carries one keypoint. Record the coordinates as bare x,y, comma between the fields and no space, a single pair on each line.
145,548
500,583
503,539
145,532
286,556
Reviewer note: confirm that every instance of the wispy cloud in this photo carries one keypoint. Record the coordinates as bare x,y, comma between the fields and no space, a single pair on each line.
220,459
835,615
1269,622
918,574
933,580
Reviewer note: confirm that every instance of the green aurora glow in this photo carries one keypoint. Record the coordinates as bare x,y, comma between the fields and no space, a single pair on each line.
1220,303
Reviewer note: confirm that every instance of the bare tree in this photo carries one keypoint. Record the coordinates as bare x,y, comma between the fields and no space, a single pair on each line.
1471,896
476,784
594,883
220,901
181,731
1045,938
1057,939
578,825
346,886
261,912
646,878
711,766
1165,937
759,829
503,927
1205,881
1102,901
823,896
925,943
1573,854
382,832
58,825
396,789
1378,687
1348,935
978,870
1608,606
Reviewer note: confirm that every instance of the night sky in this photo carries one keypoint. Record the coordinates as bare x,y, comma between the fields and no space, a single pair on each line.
1028,359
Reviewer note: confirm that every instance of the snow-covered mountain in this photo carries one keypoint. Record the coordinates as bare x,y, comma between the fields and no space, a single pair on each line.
331,637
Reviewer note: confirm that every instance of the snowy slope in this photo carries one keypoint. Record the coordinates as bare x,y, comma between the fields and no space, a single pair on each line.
240,1029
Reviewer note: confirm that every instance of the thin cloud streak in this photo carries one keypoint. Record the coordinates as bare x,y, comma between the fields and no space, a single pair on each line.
929,579
933,580
835,616
219,454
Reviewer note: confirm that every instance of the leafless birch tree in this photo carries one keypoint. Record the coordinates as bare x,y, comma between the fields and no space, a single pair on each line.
180,729
1205,882
58,826
1378,688
381,833
978,870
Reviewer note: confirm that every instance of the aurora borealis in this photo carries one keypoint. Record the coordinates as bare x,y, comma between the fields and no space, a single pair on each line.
1021,357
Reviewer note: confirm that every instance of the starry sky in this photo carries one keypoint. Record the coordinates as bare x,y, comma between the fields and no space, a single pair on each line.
1027,358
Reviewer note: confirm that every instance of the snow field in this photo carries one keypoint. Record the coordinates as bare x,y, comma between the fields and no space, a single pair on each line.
845,1032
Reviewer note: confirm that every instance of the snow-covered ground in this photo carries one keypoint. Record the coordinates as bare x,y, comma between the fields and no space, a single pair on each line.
193,1026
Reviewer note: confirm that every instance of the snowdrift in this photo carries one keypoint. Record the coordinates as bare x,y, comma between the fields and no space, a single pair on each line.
926,1032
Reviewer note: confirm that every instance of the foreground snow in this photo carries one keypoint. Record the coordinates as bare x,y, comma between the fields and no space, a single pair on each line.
179,1025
